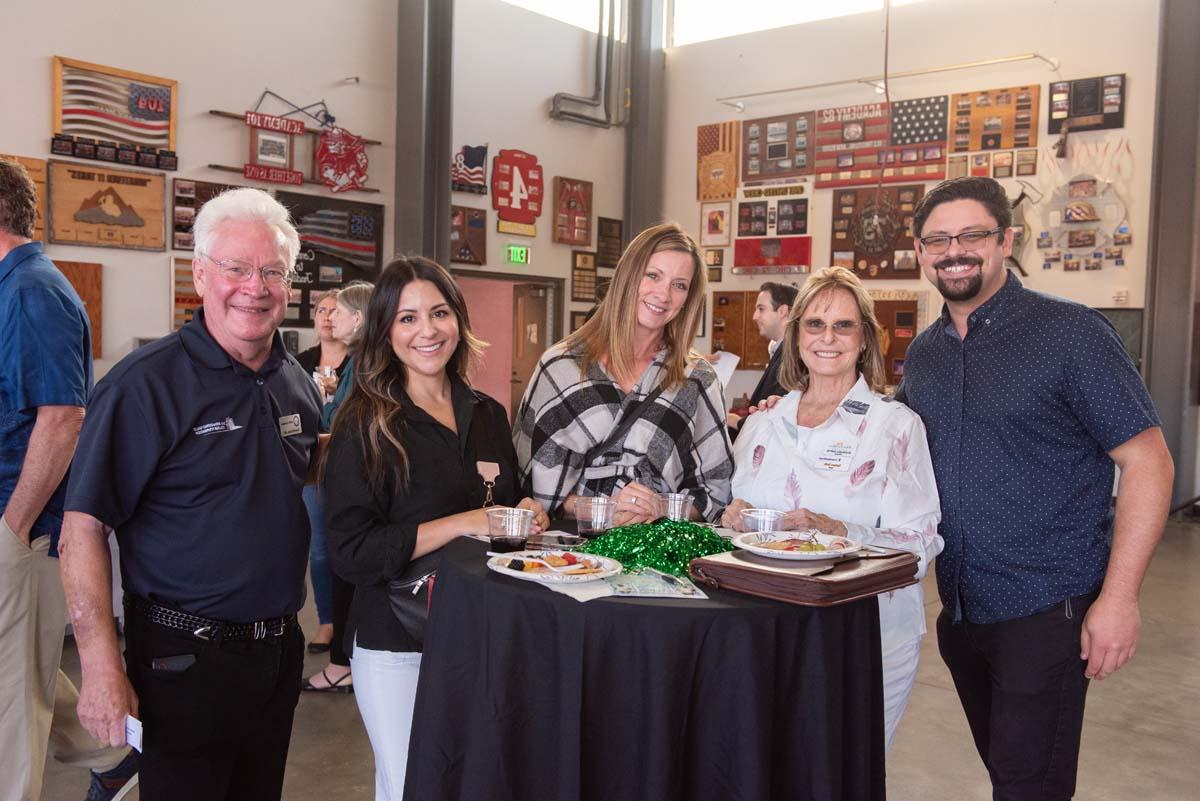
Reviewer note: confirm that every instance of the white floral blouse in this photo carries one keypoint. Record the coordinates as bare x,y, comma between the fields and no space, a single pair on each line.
868,466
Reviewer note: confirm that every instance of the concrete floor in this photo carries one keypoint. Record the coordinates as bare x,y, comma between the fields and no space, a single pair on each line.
1141,737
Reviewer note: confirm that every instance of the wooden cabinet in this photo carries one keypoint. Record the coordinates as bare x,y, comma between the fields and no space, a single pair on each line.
734,330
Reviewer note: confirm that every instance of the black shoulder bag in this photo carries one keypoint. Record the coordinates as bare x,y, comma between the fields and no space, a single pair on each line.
411,593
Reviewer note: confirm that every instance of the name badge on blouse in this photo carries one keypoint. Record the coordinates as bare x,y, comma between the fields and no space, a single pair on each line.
489,472
836,456
289,425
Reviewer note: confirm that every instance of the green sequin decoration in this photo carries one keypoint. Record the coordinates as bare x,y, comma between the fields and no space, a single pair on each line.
666,545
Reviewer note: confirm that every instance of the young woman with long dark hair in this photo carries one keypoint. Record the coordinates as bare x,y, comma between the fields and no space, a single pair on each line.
412,447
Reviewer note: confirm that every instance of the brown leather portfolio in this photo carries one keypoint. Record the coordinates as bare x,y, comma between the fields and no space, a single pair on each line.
823,582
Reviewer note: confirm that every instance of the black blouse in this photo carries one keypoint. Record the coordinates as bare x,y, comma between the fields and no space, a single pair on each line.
309,359
372,534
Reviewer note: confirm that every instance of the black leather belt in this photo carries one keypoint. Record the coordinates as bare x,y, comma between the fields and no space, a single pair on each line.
204,628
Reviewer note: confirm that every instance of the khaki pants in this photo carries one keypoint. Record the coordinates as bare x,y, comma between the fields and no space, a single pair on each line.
37,700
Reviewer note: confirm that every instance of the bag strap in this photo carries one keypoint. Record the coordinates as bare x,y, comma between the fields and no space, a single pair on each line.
627,420
480,443
477,435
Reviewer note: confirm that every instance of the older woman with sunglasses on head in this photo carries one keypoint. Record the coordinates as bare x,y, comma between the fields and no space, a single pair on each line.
837,456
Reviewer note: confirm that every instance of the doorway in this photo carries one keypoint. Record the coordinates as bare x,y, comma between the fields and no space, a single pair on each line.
519,316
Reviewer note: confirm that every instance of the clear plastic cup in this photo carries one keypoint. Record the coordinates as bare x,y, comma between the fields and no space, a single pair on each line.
674,505
761,519
594,515
508,528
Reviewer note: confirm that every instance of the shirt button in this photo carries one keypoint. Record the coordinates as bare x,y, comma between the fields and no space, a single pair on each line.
258,381
987,321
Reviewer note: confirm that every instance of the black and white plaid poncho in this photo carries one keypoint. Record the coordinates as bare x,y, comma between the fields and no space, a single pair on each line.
679,444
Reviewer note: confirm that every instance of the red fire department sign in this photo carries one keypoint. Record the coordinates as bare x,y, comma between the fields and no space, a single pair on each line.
341,160
517,189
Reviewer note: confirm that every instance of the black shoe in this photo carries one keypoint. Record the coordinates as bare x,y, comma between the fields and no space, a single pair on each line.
115,783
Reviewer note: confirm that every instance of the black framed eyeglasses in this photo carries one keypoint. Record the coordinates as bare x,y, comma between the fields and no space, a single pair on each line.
938,244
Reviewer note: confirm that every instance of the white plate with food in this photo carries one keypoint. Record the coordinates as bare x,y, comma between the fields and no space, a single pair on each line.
798,545
554,567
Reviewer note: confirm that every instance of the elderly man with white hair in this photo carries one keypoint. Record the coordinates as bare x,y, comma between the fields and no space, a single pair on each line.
195,450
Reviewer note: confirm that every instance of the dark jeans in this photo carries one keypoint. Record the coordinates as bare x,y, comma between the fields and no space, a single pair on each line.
1022,687
218,728
331,593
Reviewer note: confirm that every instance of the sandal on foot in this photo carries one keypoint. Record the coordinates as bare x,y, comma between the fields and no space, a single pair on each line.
333,686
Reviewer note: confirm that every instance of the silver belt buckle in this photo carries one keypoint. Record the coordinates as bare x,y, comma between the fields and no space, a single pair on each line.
203,633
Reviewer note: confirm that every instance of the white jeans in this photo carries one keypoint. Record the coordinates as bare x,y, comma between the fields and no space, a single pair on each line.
899,674
385,686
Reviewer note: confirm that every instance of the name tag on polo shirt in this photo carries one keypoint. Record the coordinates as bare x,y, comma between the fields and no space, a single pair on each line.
289,425
835,456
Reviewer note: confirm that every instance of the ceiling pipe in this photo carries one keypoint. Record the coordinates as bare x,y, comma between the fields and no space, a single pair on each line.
605,47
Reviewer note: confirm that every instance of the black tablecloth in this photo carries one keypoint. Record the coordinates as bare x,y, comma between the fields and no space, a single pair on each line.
528,695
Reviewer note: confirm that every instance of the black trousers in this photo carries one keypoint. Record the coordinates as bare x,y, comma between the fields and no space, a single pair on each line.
1022,687
217,728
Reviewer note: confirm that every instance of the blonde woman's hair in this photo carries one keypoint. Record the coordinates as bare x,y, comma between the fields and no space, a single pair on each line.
793,373
354,296
609,335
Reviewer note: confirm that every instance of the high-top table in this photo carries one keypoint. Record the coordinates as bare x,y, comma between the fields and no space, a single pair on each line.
528,695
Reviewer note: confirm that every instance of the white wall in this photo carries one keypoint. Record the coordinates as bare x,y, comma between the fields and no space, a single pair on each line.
1089,37
223,53
508,64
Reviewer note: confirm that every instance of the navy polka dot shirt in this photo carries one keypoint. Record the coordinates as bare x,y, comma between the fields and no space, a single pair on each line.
1020,415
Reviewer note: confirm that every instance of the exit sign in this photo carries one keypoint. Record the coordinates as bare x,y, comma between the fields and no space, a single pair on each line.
516,254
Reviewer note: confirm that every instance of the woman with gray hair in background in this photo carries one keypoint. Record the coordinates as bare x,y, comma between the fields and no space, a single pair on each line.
326,361
347,323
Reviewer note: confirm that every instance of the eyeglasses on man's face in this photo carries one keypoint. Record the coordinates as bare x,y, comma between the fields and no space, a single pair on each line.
816,326
937,244
239,271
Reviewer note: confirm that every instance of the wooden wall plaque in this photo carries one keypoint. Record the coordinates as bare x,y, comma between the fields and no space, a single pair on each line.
105,207
88,280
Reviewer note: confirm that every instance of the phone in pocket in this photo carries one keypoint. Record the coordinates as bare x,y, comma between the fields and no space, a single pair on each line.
173,664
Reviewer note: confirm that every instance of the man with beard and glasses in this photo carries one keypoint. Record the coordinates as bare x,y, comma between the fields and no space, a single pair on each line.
1029,401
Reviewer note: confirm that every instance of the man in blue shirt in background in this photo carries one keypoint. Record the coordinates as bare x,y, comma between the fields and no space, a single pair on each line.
1029,401
45,380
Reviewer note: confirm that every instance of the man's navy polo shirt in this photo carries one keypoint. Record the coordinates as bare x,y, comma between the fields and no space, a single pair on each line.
1020,417
45,360
198,463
